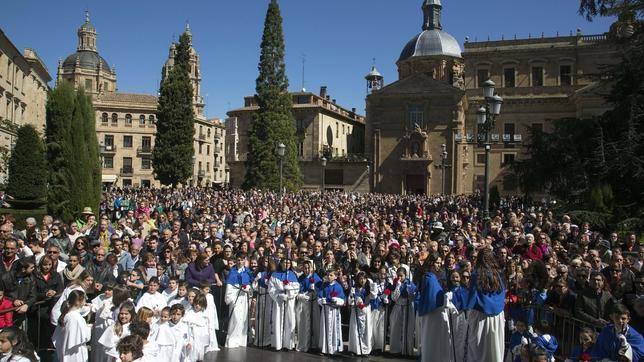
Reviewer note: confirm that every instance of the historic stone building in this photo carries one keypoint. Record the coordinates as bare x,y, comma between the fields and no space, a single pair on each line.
324,130
430,111
23,91
126,122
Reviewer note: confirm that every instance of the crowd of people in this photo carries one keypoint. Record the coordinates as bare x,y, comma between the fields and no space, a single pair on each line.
175,274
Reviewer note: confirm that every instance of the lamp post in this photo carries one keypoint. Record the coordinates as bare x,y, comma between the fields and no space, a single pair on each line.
281,150
101,155
443,166
227,179
323,160
192,181
486,118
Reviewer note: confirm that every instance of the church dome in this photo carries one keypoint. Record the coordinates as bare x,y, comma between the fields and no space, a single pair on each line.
88,60
431,42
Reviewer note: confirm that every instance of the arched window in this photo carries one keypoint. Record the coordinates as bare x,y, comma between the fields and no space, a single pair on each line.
115,118
128,119
142,120
104,118
151,119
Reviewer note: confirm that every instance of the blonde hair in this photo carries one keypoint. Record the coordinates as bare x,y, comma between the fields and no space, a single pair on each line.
144,314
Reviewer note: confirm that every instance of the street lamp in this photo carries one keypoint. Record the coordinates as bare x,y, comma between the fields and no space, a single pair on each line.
323,160
281,150
486,117
192,181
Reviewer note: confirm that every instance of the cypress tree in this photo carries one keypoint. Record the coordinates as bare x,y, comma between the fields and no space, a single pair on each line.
27,166
274,122
58,136
174,145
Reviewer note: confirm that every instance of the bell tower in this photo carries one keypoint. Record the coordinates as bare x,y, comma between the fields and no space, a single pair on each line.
375,80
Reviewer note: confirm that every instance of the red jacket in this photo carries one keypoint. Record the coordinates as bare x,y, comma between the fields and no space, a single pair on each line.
6,319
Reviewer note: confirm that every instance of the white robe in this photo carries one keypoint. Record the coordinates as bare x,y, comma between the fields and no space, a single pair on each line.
283,313
55,311
436,341
213,323
155,301
360,332
70,340
237,301
199,327
166,341
263,317
109,340
402,323
181,333
378,318
308,321
103,320
485,337
331,327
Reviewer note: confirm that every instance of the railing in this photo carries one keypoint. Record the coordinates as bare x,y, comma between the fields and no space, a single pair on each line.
110,149
144,150
594,38
201,173
202,136
127,171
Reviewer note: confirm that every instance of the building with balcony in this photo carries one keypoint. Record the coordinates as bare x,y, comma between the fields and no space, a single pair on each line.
126,122
23,91
324,129
435,99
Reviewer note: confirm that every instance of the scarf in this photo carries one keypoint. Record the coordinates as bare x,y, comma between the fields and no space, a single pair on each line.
73,274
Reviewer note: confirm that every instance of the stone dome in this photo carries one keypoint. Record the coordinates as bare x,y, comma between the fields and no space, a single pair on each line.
431,42
88,60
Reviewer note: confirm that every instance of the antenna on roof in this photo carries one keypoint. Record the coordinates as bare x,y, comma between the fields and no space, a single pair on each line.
303,70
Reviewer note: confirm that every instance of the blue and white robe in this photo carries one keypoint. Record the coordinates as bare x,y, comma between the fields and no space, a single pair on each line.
331,298
238,300
308,313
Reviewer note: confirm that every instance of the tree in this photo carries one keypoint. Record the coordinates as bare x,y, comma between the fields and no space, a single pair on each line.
72,152
274,122
173,149
27,167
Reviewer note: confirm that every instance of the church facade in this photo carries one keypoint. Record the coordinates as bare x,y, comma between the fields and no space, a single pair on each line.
421,130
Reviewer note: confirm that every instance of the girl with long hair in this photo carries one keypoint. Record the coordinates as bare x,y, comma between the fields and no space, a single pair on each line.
15,346
362,291
120,329
72,332
485,300
84,283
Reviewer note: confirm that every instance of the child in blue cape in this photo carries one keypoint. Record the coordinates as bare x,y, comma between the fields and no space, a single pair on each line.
618,341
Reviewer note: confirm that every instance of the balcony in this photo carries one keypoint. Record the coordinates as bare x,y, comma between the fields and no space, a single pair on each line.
202,137
218,135
127,171
201,173
110,149
144,151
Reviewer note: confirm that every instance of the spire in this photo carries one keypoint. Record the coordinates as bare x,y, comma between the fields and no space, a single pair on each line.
86,35
86,16
432,14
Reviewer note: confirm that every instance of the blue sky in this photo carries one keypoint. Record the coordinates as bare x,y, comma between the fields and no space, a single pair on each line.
338,38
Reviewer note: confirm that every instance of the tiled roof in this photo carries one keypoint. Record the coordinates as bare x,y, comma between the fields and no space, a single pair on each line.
128,98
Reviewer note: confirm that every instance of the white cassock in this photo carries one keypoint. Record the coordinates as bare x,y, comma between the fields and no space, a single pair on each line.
283,320
181,333
360,330
485,338
109,340
264,314
55,311
378,318
459,326
308,321
70,340
331,327
103,320
213,323
155,301
165,339
402,322
435,334
237,300
199,330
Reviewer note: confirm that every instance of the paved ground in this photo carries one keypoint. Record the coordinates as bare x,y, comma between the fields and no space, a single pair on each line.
259,355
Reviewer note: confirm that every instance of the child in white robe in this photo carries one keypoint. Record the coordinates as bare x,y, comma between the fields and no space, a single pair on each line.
403,316
15,346
182,293
72,332
331,298
181,333
211,312
199,325
150,347
164,337
237,297
120,329
283,288
360,319
379,308
153,299
173,288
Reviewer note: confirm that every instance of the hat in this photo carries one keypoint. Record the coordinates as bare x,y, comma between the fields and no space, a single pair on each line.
87,211
438,225
605,244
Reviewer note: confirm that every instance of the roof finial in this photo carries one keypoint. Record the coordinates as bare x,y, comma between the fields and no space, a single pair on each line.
87,16
432,14
188,25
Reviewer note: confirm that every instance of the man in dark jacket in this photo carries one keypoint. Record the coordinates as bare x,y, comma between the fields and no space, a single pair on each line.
594,304
621,281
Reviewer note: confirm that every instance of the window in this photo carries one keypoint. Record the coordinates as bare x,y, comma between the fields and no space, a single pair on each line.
108,141
146,163
565,75
88,85
104,119
127,141
509,129
300,149
127,164
337,130
508,159
480,159
146,142
537,76
151,120
127,182
208,132
299,125
482,75
142,120
115,119
200,168
479,182
108,161
208,150
145,183
128,119
207,166
415,116
200,147
509,78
